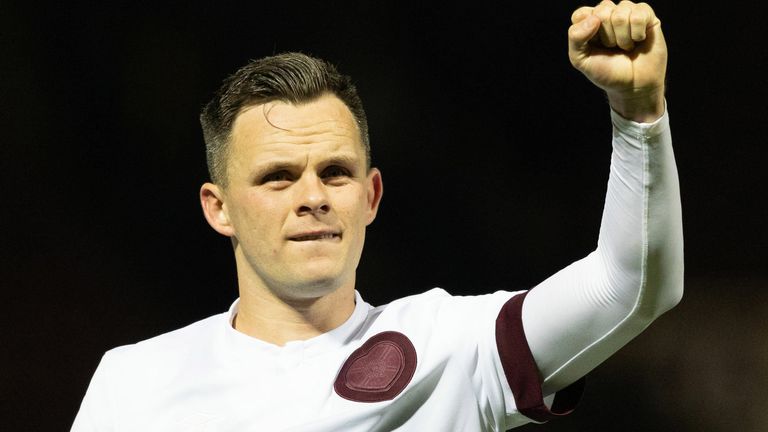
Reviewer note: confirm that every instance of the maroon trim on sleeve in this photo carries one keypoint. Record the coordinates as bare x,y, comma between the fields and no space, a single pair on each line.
521,370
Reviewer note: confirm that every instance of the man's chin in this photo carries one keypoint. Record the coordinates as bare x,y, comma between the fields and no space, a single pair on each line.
315,287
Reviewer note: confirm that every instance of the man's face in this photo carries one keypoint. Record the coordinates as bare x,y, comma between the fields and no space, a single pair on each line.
299,196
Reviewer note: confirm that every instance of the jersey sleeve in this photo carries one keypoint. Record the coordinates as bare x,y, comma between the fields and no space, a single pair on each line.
581,315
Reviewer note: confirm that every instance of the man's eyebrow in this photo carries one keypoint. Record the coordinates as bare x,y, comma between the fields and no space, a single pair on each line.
346,160
274,165
342,159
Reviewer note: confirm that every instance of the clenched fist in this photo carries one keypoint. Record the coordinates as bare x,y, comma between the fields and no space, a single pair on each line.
621,49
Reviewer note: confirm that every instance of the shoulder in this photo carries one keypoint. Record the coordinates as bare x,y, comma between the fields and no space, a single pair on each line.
438,299
131,379
164,352
422,299
437,310
414,305
179,337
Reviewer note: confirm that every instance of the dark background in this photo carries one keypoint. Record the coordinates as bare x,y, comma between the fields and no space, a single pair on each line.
494,153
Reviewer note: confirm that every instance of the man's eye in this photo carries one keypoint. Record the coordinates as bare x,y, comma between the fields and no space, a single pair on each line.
336,171
277,176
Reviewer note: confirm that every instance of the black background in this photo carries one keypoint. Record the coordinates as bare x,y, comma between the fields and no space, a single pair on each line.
494,153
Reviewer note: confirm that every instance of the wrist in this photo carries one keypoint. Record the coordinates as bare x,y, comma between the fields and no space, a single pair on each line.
638,106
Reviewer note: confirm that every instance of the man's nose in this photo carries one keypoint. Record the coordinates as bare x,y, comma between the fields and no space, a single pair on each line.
312,197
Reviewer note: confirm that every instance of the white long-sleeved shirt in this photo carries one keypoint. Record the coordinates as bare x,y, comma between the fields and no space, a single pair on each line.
426,362
578,317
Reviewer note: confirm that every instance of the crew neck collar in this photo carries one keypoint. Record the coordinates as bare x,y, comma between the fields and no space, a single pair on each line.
246,347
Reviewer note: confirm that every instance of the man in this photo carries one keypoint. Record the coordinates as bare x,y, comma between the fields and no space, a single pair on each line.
293,188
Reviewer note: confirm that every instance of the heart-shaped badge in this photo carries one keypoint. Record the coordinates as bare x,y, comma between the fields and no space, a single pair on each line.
379,370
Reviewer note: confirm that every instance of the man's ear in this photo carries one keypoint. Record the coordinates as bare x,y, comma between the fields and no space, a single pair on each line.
375,189
215,209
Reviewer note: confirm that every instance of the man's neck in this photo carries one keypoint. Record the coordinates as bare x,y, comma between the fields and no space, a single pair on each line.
266,316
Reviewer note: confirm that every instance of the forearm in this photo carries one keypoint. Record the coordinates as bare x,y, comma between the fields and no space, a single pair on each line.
586,312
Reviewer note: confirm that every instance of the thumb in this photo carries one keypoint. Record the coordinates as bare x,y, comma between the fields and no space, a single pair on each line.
580,33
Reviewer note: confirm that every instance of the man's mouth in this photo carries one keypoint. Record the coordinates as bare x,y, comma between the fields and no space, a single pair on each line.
315,236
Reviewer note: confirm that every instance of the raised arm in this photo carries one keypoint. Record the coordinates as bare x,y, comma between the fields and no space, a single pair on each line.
583,314
621,49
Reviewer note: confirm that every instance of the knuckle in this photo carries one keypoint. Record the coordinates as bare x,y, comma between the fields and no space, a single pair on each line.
647,9
581,12
620,19
637,19
603,13
605,4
